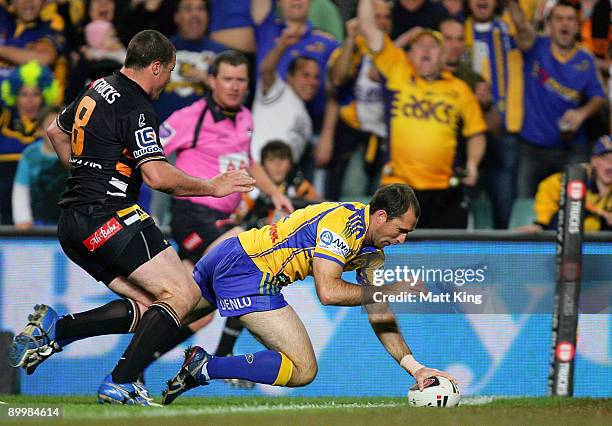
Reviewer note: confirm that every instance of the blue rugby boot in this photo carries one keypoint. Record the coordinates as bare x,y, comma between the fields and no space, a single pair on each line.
189,376
37,340
110,392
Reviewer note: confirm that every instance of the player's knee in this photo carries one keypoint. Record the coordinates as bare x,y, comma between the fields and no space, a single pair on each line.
309,374
303,373
304,378
185,295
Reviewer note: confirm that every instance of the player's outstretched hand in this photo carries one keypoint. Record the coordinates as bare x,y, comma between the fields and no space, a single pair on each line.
423,373
230,182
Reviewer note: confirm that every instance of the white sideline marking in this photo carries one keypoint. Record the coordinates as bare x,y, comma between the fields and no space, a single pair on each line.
169,411
2,402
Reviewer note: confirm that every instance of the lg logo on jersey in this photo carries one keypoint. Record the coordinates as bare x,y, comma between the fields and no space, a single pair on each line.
146,139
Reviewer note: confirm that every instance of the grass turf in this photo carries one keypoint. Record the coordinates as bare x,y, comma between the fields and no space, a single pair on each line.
84,411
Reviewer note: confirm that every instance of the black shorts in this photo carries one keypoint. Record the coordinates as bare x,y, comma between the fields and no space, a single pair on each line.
109,244
195,226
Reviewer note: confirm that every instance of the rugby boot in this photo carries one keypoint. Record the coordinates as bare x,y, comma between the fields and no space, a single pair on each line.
189,376
110,392
36,342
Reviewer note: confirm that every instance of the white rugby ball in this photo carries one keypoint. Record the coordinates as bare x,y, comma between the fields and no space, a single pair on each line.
438,392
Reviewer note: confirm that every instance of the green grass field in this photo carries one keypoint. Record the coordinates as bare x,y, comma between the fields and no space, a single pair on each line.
84,411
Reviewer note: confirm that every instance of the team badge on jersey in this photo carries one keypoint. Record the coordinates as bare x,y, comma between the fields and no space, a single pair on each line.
333,242
146,139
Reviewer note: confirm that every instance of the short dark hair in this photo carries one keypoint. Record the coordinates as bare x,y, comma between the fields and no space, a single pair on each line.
396,199
147,47
231,57
296,62
276,149
562,3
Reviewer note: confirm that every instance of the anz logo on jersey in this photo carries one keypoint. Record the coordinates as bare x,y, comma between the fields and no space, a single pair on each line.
333,242
146,139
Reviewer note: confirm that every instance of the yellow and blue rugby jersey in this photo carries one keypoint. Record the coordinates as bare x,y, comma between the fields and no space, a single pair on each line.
332,231
424,118
553,85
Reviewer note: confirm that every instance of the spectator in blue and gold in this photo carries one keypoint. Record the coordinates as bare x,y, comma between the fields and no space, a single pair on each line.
493,52
562,90
25,36
24,93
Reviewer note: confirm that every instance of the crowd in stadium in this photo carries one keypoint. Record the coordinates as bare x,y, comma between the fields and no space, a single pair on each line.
472,103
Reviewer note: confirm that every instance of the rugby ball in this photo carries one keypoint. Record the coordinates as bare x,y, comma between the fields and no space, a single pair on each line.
438,392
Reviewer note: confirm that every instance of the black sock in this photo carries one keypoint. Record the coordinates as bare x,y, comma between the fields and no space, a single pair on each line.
183,333
179,337
231,331
157,325
117,317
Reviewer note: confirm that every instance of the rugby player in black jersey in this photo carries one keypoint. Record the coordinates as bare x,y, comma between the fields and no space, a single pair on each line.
109,138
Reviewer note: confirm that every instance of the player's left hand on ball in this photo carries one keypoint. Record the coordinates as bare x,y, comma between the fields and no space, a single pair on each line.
230,182
423,373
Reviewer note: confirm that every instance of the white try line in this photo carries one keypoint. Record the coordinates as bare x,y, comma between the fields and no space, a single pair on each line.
170,411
